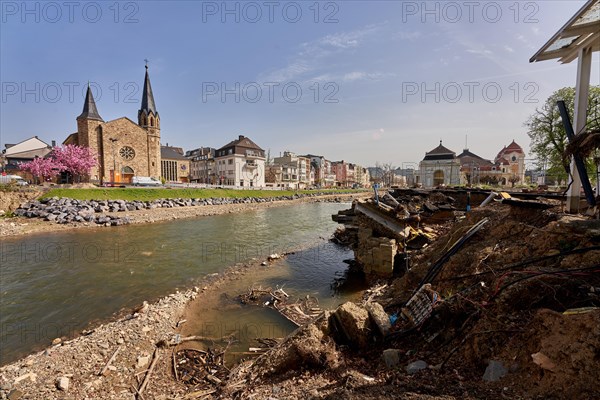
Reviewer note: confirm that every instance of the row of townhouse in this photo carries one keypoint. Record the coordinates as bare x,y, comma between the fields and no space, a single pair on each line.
242,163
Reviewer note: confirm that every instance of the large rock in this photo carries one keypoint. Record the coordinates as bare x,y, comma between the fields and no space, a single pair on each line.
351,325
379,318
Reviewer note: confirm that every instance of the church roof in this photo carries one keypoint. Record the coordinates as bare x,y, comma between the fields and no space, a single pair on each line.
440,153
147,96
89,107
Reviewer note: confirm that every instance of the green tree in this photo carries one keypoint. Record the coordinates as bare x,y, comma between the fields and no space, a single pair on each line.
547,133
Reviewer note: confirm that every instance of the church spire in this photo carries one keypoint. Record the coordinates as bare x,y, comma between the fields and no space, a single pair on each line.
89,107
147,96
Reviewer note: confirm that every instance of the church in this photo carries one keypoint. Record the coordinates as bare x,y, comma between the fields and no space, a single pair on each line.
125,148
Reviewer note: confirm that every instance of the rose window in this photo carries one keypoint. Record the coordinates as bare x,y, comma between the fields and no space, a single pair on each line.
127,153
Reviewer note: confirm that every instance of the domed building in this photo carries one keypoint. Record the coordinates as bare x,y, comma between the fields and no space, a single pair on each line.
440,167
511,161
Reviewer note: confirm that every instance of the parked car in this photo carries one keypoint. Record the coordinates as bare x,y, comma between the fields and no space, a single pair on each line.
145,181
6,179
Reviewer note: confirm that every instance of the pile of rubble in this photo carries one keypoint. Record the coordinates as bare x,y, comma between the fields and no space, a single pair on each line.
504,303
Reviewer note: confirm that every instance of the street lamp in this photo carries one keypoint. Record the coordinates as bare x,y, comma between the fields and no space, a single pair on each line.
113,140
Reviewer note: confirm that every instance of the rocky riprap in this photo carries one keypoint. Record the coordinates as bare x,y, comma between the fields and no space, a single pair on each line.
66,210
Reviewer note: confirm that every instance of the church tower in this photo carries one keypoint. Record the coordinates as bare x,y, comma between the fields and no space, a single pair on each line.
149,119
88,129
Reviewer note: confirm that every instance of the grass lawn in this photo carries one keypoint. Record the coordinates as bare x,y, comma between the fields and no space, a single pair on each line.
144,194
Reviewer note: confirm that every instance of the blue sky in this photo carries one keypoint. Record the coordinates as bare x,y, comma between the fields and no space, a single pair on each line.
379,80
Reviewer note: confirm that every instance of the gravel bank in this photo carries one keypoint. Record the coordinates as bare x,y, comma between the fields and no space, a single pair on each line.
109,360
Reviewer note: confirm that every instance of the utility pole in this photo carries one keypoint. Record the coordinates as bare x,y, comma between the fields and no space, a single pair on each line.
113,140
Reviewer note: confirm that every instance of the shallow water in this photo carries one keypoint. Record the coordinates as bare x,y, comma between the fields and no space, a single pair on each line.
56,284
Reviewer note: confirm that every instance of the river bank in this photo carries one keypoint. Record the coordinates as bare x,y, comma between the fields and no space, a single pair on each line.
109,360
19,226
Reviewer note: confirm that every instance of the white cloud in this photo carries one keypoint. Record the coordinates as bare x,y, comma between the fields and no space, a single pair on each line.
509,49
361,75
483,52
408,35
312,55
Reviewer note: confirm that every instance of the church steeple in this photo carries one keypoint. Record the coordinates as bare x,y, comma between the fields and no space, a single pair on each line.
89,107
147,115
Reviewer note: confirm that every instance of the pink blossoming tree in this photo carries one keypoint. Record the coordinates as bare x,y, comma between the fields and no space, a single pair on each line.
76,160
41,167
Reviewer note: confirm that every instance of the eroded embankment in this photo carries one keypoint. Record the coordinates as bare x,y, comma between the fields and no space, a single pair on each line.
513,313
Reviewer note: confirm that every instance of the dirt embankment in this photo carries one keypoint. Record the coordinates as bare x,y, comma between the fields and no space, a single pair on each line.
11,200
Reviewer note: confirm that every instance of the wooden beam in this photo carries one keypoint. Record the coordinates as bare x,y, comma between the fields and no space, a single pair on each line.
583,29
585,43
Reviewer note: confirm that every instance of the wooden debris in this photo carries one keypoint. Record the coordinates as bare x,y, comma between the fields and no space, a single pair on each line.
110,360
197,395
201,369
155,357
299,313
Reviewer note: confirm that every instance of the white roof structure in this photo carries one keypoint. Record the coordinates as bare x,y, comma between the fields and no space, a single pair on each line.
582,30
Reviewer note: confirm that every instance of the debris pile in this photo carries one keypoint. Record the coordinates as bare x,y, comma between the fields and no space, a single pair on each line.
504,303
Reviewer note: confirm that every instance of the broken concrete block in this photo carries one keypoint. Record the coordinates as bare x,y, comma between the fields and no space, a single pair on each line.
353,324
379,317
416,366
62,383
494,371
391,357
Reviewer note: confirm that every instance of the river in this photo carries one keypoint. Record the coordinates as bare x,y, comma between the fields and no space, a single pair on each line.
58,284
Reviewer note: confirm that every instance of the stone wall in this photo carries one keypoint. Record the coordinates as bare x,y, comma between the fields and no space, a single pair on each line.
376,254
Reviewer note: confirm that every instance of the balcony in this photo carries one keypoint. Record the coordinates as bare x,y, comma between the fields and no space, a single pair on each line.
251,164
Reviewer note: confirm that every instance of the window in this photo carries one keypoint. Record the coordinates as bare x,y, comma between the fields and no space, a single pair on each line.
127,153
230,161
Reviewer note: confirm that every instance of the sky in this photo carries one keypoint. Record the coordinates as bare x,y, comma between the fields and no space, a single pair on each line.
362,81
